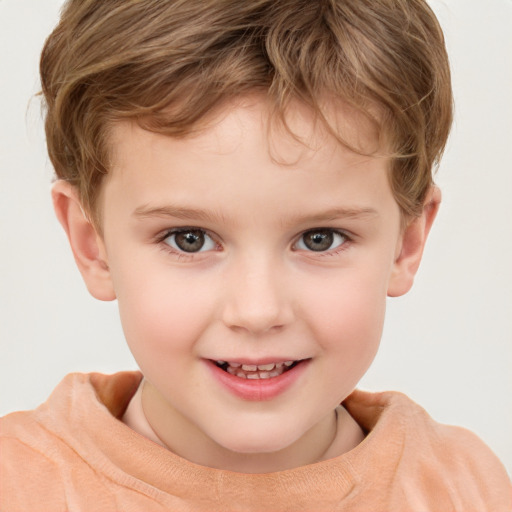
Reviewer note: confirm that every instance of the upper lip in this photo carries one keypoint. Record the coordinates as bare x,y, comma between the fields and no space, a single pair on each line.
258,362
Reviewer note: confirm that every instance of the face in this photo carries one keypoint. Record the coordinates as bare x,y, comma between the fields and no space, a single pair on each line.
225,250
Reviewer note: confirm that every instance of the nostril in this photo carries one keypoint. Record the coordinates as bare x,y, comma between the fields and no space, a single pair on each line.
257,306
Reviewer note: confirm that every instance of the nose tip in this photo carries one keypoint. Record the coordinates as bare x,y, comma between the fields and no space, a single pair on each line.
257,304
254,321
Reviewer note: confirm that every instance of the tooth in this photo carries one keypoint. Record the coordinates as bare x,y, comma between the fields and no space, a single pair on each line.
253,376
279,365
231,370
275,373
288,363
266,367
221,362
249,367
264,375
242,375
235,365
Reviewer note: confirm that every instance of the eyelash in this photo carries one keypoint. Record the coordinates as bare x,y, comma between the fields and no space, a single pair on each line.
344,245
183,255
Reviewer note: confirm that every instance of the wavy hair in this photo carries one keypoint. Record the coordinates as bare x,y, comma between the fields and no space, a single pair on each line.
169,63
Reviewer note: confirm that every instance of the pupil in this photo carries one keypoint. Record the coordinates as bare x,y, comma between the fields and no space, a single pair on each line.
318,240
190,241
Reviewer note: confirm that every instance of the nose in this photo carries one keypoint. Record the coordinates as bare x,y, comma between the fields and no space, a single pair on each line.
258,299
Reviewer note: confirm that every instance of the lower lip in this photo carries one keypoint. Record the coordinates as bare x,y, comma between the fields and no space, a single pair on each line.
258,390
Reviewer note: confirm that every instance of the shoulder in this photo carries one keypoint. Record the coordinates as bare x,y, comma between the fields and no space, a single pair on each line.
446,464
28,467
39,447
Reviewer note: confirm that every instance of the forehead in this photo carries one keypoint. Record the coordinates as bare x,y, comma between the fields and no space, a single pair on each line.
240,155
295,133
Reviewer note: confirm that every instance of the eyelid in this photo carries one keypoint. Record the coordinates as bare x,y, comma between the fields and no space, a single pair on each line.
183,229
163,235
329,252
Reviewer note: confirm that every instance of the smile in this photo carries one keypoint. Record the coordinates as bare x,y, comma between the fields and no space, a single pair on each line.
257,382
253,371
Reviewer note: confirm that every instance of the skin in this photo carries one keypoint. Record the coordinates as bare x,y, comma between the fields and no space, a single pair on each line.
255,291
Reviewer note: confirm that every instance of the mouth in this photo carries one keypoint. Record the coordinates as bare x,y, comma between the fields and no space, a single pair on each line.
258,380
256,372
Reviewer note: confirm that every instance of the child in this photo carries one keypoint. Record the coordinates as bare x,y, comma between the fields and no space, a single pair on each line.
249,180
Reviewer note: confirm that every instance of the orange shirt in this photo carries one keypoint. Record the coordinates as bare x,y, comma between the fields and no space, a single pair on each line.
73,454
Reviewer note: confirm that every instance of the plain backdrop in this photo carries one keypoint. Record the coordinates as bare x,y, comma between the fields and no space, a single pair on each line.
447,344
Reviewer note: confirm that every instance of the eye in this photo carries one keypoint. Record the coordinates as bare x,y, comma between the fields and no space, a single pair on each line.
190,240
320,240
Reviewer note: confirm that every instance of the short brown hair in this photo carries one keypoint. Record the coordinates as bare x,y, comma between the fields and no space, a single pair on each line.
168,63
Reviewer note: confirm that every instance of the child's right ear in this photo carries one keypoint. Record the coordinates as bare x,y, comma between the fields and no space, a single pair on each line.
87,245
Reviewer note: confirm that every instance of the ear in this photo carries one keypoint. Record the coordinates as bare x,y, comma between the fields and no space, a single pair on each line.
412,243
87,245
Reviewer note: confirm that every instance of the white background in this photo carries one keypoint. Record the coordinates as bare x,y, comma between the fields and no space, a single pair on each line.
447,344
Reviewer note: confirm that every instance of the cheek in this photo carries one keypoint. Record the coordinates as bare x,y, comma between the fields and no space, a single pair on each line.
348,318
162,314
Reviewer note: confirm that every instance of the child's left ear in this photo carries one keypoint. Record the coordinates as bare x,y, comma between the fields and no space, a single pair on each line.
412,244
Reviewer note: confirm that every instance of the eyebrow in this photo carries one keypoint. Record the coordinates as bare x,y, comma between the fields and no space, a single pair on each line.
337,214
176,212
196,214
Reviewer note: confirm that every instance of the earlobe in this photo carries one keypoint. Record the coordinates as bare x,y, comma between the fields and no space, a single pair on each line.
413,241
87,245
